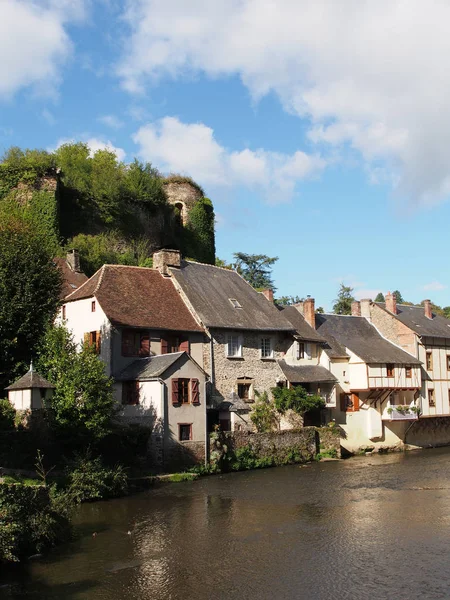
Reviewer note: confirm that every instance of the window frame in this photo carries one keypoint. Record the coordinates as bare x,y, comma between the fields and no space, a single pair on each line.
429,360
137,336
431,398
448,362
390,370
63,312
262,350
238,337
93,306
127,392
180,425
408,372
301,350
184,390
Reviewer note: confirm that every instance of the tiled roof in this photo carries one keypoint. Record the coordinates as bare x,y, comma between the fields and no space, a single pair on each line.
306,373
303,329
414,318
150,367
71,279
359,336
137,297
211,291
32,379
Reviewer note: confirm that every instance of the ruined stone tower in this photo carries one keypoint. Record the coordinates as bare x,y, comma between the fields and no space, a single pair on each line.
183,194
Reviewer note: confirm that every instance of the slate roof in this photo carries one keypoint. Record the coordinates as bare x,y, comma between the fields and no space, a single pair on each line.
150,367
234,404
32,379
306,373
137,297
303,329
359,336
71,279
209,290
414,318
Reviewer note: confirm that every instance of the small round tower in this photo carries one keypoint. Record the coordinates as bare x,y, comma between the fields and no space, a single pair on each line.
183,193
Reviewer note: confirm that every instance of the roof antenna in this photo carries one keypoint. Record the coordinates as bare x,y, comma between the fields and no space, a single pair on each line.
31,366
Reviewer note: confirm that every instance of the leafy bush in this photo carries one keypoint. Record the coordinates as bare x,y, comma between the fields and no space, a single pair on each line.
7,415
33,518
89,480
263,415
296,399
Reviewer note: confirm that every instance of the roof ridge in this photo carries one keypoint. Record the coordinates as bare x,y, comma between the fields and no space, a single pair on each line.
67,298
100,280
197,262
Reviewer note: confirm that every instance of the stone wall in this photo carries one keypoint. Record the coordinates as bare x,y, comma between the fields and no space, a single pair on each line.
276,445
429,432
393,329
182,193
330,440
226,371
182,455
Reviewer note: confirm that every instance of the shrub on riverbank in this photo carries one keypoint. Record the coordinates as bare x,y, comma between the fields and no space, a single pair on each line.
89,479
32,519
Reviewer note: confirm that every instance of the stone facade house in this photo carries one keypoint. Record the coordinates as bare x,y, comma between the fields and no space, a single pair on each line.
379,383
426,336
152,347
247,335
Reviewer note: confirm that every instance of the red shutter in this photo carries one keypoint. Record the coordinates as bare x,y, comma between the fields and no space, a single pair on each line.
355,401
144,345
163,346
174,391
98,342
195,391
184,346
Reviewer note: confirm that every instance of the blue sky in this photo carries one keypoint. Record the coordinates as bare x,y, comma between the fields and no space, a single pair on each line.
319,130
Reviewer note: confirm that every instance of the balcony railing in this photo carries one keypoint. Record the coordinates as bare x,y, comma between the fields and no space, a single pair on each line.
404,413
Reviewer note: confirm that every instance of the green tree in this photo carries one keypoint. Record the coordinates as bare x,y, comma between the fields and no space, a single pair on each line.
379,297
82,405
398,297
107,185
320,310
256,269
288,300
296,399
263,415
143,183
343,303
30,285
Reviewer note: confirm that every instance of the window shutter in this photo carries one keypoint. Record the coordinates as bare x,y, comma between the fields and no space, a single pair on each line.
343,402
184,346
86,338
144,345
98,342
195,389
164,345
355,401
175,391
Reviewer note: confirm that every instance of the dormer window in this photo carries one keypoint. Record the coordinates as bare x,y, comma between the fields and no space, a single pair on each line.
234,303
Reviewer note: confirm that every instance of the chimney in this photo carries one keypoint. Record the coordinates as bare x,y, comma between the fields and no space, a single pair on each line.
428,311
391,303
73,260
163,259
268,294
356,309
365,307
309,311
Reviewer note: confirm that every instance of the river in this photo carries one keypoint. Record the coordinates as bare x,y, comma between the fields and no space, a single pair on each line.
375,527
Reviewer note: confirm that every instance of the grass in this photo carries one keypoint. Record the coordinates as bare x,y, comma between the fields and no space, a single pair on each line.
20,479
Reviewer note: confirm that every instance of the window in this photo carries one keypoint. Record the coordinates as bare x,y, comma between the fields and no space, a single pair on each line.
185,432
235,303
130,393
408,372
390,370
93,306
244,391
429,361
93,338
174,343
266,348
300,350
185,391
135,343
63,312
448,361
349,402
234,346
431,400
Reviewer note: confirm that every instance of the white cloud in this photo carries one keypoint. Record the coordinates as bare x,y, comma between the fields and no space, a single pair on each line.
191,148
435,286
34,43
111,121
366,293
369,76
94,145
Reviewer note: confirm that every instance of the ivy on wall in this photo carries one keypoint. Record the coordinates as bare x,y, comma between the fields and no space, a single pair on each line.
198,236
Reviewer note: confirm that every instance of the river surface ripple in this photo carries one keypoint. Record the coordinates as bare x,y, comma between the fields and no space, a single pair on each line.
373,528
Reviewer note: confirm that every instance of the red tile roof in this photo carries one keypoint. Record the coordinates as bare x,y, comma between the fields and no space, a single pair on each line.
71,279
137,297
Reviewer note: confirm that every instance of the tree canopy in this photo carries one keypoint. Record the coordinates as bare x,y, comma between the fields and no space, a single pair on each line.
343,303
30,285
296,399
256,269
379,297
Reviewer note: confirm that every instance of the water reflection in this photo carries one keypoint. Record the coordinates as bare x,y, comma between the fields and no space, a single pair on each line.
373,527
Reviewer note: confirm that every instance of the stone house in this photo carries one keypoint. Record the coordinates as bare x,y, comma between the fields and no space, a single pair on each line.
152,347
376,381
426,336
247,335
